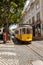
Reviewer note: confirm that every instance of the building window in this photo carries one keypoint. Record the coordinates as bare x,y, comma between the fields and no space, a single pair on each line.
33,20
26,22
29,21
29,14
33,0
38,5
38,16
33,10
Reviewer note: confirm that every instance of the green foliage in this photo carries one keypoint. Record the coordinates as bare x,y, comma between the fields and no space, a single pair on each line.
11,9
13,4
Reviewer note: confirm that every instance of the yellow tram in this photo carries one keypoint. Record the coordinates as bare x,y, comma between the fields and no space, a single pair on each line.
24,33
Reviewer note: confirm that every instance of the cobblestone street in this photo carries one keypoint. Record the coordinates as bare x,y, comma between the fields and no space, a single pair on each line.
22,54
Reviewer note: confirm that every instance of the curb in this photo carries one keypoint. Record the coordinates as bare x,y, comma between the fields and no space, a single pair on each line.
37,38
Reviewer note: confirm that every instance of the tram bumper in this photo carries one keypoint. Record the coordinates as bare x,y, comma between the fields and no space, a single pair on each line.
28,39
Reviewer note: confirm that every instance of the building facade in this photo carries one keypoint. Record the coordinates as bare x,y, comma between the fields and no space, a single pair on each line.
33,15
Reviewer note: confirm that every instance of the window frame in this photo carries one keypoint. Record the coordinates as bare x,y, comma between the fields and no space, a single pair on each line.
38,16
29,21
33,20
16,32
23,31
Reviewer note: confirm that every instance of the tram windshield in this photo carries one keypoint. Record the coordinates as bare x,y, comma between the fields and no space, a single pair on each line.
16,32
29,31
23,30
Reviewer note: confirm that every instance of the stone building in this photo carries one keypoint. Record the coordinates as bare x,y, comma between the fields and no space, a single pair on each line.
33,15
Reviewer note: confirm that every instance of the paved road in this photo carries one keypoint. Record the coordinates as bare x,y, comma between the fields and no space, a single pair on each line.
18,54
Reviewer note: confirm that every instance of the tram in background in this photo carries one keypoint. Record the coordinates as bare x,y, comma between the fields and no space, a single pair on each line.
24,33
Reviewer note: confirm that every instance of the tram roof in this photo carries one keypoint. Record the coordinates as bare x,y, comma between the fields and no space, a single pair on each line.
25,26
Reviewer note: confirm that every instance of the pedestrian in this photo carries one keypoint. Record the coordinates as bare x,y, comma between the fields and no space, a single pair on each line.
4,36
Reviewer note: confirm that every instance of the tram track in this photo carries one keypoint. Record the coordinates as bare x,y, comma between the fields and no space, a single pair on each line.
38,47
36,50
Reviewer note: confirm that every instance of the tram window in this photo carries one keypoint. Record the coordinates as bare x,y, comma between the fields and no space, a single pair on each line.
20,31
16,32
28,31
23,30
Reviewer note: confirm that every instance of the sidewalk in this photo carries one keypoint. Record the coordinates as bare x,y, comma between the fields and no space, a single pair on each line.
37,38
9,42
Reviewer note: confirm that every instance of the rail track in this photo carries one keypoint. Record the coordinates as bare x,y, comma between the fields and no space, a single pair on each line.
37,50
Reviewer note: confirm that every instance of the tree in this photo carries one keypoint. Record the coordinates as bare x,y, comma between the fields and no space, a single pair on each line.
9,9
10,12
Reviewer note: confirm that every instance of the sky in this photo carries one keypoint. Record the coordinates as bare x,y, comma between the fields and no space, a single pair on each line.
27,2
13,26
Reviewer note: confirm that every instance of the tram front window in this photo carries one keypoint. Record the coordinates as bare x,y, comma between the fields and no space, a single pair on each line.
16,32
23,31
28,31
